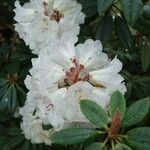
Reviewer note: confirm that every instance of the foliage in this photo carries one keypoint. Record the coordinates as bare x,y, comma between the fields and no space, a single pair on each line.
123,27
115,131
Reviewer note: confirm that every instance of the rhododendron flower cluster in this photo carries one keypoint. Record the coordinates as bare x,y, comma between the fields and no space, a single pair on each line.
39,22
63,74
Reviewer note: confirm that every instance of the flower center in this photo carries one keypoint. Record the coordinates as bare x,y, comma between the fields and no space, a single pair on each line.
55,15
74,74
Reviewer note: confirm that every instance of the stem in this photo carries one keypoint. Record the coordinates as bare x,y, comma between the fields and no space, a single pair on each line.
102,132
112,144
123,136
119,138
106,140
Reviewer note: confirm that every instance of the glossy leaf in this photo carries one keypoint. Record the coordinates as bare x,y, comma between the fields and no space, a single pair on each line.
104,29
117,103
139,138
103,5
89,7
146,12
11,94
9,100
122,147
131,10
72,136
94,113
96,146
143,23
145,55
141,86
136,112
16,141
123,33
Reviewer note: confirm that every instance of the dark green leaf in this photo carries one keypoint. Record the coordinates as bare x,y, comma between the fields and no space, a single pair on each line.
136,112
3,82
89,7
72,135
103,5
117,103
104,29
142,25
14,131
94,113
139,138
46,127
145,55
123,33
8,100
146,12
21,95
96,146
131,10
141,86
16,141
122,147
13,68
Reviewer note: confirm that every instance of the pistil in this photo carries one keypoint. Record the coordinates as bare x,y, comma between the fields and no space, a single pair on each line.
73,75
55,15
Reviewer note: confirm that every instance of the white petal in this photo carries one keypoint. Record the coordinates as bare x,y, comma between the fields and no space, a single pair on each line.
90,55
23,15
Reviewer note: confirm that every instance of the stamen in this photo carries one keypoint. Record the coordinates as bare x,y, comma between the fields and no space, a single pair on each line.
86,78
56,15
45,8
72,69
81,67
73,75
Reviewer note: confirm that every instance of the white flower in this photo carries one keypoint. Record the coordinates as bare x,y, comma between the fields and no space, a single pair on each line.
42,21
32,125
63,74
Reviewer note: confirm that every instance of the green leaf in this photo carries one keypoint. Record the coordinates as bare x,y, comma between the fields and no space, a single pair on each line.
122,147
89,7
12,68
21,95
3,82
3,140
131,10
46,127
146,12
8,100
14,131
117,103
104,29
139,138
103,5
94,113
123,33
25,146
72,135
142,24
145,55
16,141
96,146
141,86
136,112
4,52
